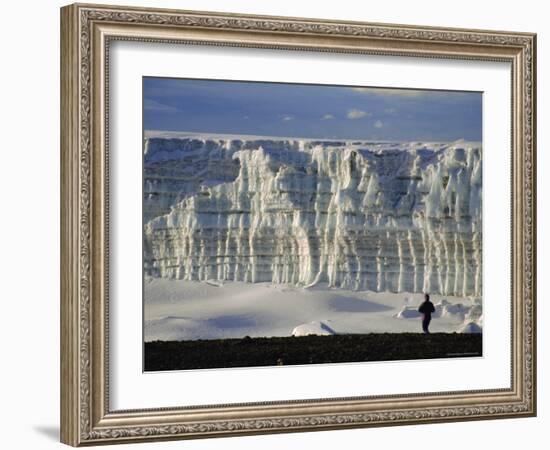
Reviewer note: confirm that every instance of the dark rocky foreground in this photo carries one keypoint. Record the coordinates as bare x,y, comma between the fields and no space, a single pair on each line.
249,352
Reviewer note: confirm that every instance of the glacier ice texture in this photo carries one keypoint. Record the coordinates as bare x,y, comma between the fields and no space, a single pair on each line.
378,216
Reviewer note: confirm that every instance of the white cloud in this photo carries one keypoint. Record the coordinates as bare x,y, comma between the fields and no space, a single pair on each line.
394,92
357,114
390,111
154,106
414,93
378,124
287,118
328,117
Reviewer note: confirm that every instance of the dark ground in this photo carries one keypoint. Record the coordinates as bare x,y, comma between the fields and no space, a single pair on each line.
248,352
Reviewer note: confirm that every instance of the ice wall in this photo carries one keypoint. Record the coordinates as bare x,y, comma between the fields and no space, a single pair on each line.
356,215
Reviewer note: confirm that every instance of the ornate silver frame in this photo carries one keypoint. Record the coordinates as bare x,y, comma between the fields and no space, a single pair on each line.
86,31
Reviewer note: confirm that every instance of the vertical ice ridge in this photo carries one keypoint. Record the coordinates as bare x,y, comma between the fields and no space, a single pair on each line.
362,216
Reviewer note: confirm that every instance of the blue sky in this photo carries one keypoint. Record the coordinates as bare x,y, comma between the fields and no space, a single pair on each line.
307,110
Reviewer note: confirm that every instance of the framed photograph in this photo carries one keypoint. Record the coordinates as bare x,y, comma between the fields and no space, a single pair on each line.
276,224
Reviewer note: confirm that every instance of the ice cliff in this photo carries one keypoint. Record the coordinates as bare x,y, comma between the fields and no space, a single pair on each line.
398,217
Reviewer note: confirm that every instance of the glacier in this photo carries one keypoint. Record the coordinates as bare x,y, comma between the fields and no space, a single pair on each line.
357,215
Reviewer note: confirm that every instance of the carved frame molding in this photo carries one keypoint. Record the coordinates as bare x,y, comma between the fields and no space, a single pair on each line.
86,31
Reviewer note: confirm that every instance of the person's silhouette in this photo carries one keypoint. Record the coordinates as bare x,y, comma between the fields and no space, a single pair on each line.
426,309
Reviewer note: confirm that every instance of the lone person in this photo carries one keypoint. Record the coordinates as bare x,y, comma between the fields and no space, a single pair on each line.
426,309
